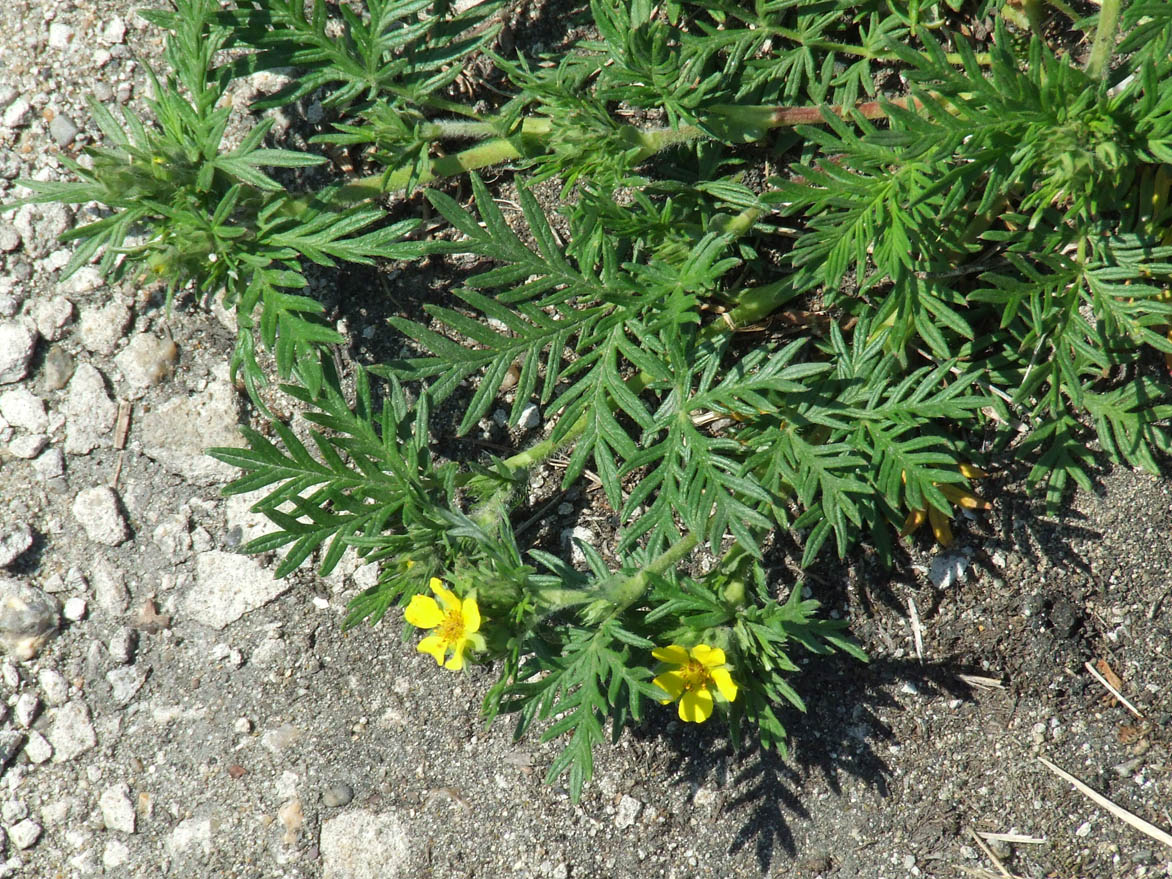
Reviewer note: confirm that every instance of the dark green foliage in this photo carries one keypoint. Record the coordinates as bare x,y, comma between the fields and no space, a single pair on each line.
778,294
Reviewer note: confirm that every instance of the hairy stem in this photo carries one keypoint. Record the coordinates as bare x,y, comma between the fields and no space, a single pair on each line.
1104,45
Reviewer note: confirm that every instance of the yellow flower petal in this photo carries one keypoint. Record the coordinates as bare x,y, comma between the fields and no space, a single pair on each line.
457,661
709,657
696,706
671,683
433,645
446,596
964,498
724,683
675,654
471,614
423,612
940,527
913,521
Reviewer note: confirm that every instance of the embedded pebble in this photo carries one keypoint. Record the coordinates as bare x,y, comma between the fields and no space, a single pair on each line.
28,706
110,590
627,813
277,740
117,809
176,433
115,854
24,409
59,35
227,586
172,536
125,682
17,343
947,569
14,543
53,686
57,369
123,644
74,609
270,653
146,360
89,413
530,418
9,241
100,328
28,446
28,617
11,742
72,733
17,113
337,794
51,315
49,465
24,834
360,844
63,130
114,31
98,511
37,748
191,836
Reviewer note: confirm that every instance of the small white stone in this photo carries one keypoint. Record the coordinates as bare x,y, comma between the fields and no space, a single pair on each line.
146,360
28,705
101,328
37,748
270,653
71,734
115,854
243,725
53,686
114,31
227,586
24,409
17,343
74,610
122,645
49,465
117,809
1083,830
59,35
97,510
530,418
51,316
24,834
125,682
17,113
947,569
360,844
191,834
110,590
28,446
89,412
14,543
627,813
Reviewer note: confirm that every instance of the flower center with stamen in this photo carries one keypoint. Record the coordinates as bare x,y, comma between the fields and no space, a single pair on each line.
695,676
452,628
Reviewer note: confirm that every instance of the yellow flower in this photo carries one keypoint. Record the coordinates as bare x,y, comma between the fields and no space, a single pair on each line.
962,497
693,681
455,622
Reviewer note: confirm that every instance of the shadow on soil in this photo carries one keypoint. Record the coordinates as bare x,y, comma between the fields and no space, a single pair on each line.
838,735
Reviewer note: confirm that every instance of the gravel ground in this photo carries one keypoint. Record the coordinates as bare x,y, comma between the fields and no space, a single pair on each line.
168,708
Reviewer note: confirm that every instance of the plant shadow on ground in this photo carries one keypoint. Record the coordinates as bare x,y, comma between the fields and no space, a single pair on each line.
836,736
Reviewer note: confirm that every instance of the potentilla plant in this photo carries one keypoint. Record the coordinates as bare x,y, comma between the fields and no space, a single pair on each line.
815,266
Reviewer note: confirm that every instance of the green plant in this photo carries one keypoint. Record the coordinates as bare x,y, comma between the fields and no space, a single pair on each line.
977,266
